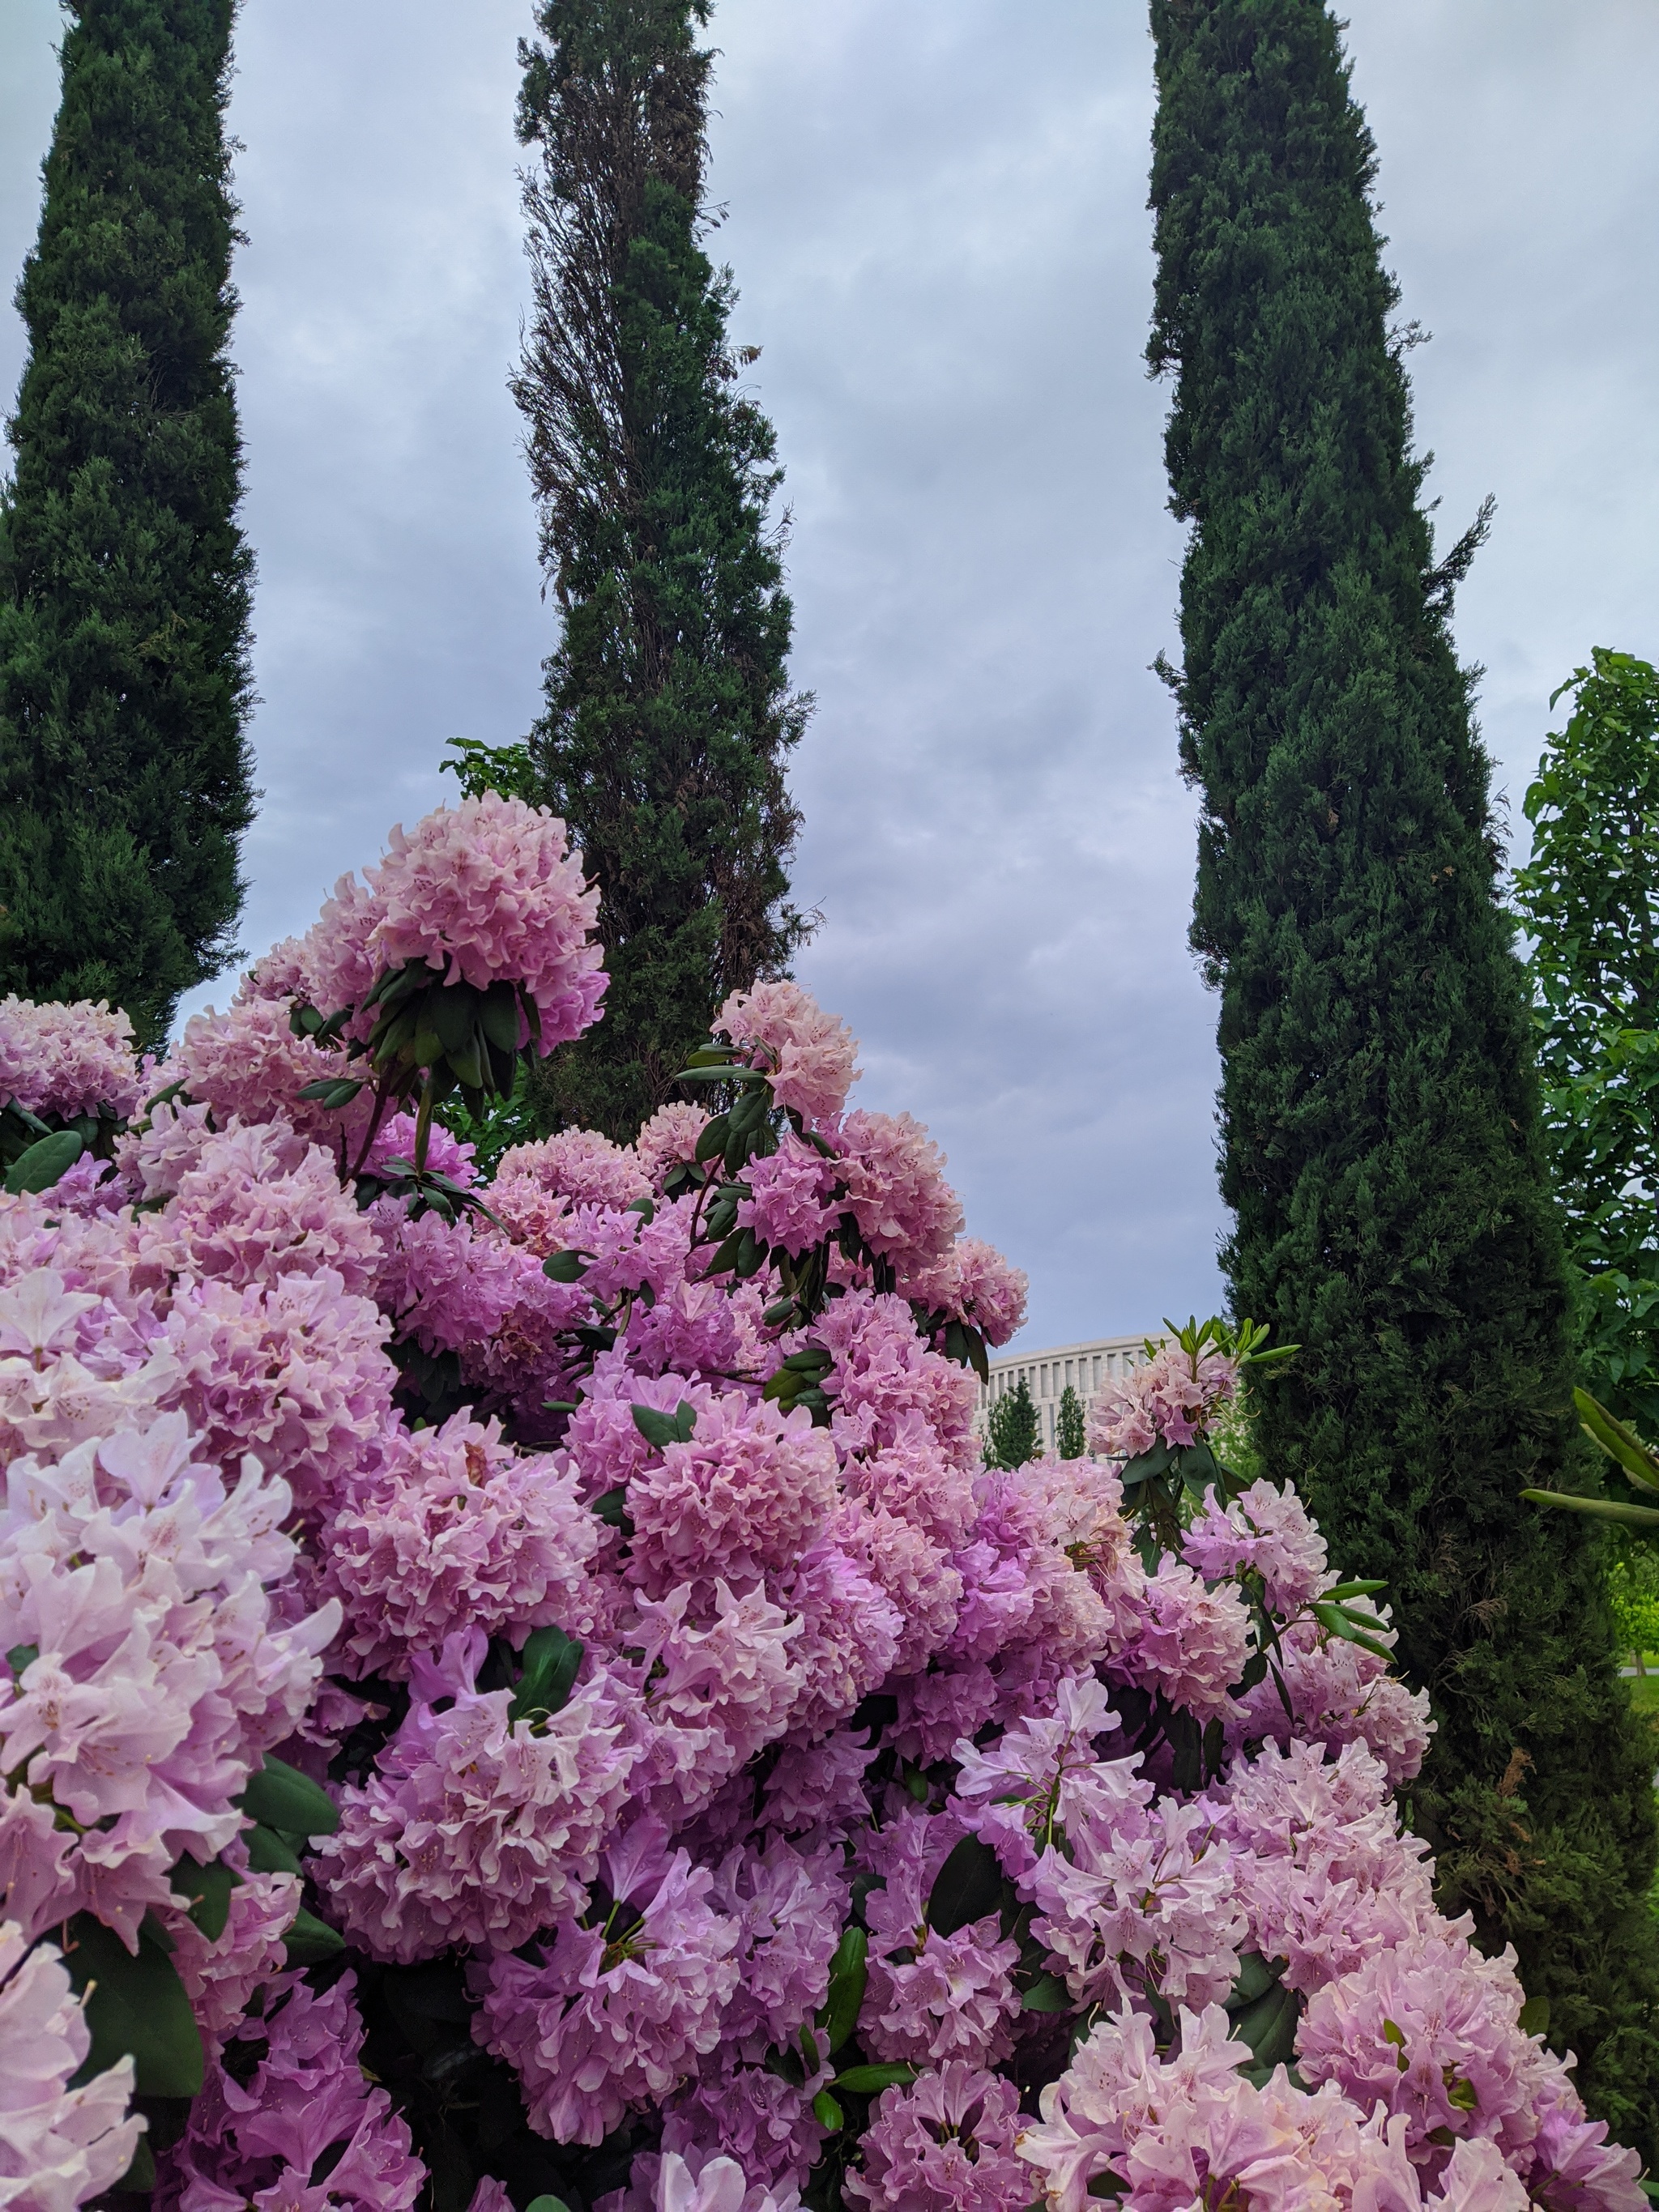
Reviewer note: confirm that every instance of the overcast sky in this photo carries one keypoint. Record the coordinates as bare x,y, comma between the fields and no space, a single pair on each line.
937,221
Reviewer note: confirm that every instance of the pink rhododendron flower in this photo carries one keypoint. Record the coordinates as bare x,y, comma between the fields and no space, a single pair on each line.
444,1155
1339,1694
1190,1640
668,1140
746,1496
597,2027
1457,2063
1326,1876
789,1204
247,1064
973,1282
490,890
1169,1398
69,1059
475,1828
944,2144
884,1382
58,2146
1265,1530
808,1053
747,2114
537,1186
153,1674
895,1187
305,2106
458,1531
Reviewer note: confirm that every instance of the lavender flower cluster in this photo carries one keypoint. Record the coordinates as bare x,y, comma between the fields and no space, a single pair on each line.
734,1792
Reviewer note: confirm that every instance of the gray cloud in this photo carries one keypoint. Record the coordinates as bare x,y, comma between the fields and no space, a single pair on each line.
937,221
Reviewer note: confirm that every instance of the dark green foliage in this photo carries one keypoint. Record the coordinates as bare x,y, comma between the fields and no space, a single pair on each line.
668,714
1589,897
1382,1148
1069,1425
123,579
1011,1432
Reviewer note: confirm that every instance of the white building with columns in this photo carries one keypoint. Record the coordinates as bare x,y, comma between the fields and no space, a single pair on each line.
1084,1366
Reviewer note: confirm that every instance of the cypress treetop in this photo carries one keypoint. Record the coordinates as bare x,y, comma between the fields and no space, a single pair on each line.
125,580
1378,1104
669,716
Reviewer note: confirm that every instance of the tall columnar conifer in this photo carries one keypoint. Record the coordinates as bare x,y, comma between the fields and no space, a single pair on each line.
669,716
1378,1104
124,577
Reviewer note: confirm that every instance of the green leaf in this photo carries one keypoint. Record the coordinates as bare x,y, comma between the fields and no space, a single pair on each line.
498,1017
1598,1508
662,1430
869,2081
1533,2018
612,1507
547,2205
310,1941
1393,2034
564,1267
1461,2096
283,1797
137,2008
1268,2026
838,2015
269,1853
139,2179
1046,1994
1255,1977
967,1887
1355,1589
21,1656
711,1141
45,1162
1617,1442
828,2113
552,1660
208,1889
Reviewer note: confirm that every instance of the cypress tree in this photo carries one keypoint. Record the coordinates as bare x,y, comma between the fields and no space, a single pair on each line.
668,715
1014,1433
124,581
1378,1106
1071,1428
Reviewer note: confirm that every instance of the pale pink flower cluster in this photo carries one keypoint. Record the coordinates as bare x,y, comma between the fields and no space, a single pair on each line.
1189,2127
58,2146
946,2144
247,1063
668,1140
792,1193
289,1474
483,892
148,1673
537,1185
895,1189
1170,1398
810,1056
457,1531
258,2136
69,1059
597,2027
1266,1532
475,1829
975,1283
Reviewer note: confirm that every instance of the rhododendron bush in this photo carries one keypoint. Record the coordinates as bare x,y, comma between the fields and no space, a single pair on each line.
528,1692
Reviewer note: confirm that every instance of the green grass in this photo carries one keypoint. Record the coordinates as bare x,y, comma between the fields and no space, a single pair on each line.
1645,1692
